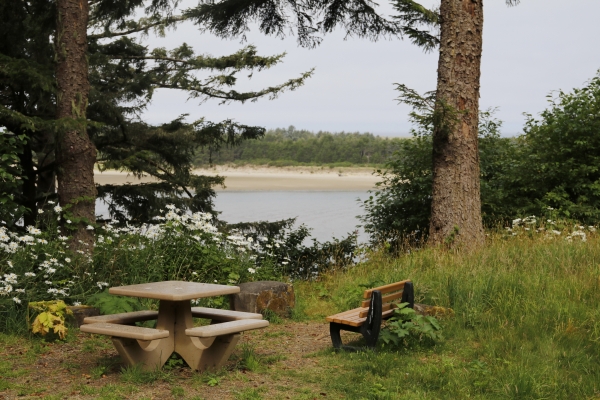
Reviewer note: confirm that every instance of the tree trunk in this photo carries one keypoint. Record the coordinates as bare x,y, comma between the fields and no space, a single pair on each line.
456,204
75,152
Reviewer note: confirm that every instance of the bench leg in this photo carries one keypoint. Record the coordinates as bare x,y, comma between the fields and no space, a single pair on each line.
334,332
372,326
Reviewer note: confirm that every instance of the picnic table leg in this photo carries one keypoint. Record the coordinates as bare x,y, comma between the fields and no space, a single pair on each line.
150,354
217,354
200,353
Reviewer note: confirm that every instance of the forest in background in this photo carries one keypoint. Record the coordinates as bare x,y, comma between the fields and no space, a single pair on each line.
288,147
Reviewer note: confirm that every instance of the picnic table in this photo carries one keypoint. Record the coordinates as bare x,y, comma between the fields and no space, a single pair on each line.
203,347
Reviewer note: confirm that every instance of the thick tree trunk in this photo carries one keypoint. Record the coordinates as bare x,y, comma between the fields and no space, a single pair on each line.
456,203
75,152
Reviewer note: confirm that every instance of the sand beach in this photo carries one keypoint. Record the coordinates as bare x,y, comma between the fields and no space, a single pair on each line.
262,178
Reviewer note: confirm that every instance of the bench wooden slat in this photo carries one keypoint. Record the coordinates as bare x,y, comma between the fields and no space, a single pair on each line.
384,308
124,331
223,315
226,328
385,299
358,320
392,287
123,318
345,314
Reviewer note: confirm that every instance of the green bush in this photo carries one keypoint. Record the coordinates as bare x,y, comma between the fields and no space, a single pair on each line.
558,163
406,327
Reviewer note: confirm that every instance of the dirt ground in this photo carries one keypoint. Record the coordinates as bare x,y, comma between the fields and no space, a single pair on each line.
87,367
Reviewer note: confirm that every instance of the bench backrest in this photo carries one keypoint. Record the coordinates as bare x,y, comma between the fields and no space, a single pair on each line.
392,293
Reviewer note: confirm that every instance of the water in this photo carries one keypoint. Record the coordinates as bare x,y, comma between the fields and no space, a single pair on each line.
329,214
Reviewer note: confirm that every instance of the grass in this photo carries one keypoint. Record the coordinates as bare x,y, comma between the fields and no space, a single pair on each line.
527,322
526,325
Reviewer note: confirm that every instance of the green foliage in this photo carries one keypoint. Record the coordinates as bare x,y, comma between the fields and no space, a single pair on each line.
110,304
272,317
211,379
406,326
50,317
559,157
249,359
282,147
285,249
135,374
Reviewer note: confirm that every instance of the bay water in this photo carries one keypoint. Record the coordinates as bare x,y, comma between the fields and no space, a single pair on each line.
328,214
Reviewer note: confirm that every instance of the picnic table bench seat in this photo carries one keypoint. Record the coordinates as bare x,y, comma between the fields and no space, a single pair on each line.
226,328
378,304
148,315
123,318
124,331
223,315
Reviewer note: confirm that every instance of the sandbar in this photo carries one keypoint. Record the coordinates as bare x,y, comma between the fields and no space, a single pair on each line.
259,178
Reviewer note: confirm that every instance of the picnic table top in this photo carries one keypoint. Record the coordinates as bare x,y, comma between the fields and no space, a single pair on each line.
174,290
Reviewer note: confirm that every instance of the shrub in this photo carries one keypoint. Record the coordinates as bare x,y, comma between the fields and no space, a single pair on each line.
558,164
406,326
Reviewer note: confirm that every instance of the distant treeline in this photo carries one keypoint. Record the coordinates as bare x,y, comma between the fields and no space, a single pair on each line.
300,147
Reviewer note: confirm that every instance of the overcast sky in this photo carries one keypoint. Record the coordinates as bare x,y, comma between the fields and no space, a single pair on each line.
529,51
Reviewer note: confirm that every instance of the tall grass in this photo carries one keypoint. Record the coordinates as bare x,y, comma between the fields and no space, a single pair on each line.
526,325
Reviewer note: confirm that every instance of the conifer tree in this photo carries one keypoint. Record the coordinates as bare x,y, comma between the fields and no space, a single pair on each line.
66,119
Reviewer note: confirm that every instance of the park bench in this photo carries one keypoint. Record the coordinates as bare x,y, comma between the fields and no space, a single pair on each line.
378,304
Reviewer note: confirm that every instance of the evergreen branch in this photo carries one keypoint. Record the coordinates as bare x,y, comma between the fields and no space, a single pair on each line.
358,17
245,58
231,18
411,97
200,90
18,70
142,26
413,15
